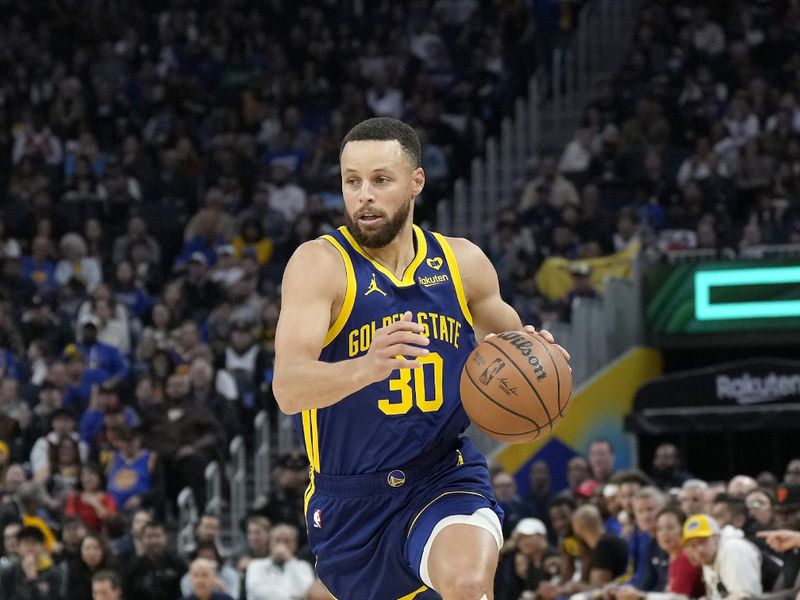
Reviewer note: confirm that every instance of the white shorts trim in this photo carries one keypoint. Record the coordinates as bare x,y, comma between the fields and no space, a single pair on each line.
485,518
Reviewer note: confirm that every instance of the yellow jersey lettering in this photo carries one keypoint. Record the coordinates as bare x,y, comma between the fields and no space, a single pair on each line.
443,330
365,337
422,319
434,325
352,343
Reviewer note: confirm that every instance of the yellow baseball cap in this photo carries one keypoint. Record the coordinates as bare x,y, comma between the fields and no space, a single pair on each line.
699,526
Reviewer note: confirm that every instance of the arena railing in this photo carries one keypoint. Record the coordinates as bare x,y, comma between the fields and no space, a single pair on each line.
187,517
238,478
213,476
705,255
287,438
771,252
263,458
542,122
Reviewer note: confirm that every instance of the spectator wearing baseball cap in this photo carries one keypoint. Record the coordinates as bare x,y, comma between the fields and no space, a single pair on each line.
80,379
787,506
522,563
731,565
100,355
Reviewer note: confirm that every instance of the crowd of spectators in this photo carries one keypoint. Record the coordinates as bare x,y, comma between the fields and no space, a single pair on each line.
662,535
161,160
159,163
693,145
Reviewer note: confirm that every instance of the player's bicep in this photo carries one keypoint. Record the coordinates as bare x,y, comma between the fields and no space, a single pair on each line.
308,292
490,313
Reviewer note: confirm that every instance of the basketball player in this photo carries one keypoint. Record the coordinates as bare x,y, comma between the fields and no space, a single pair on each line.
377,321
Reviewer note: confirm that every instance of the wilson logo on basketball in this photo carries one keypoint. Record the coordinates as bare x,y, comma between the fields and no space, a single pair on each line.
493,369
524,345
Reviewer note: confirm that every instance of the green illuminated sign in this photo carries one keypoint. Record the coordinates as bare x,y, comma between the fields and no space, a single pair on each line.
705,281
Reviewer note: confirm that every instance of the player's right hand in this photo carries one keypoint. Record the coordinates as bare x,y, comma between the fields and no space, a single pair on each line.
395,346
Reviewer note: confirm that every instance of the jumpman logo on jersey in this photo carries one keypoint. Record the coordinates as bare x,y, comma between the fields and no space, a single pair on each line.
373,287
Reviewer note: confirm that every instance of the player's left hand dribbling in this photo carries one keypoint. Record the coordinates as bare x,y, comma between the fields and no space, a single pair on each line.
548,337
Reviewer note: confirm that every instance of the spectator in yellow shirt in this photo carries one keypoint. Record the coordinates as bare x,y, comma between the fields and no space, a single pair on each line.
251,240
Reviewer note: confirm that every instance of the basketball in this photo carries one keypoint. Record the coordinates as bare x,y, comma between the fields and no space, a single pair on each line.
515,386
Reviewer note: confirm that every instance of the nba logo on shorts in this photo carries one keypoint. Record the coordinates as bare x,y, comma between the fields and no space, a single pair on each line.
318,519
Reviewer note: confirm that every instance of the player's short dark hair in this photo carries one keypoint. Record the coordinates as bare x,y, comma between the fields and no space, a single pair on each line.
110,576
385,129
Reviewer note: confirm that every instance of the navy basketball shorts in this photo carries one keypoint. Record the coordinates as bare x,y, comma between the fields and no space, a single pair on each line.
370,532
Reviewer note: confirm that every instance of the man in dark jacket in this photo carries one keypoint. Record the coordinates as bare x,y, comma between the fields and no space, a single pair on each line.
186,437
33,576
156,575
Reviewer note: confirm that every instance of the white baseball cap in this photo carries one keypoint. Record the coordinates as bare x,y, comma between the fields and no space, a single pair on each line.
530,526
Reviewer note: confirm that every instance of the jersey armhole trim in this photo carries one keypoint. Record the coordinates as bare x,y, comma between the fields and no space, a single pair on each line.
452,264
349,295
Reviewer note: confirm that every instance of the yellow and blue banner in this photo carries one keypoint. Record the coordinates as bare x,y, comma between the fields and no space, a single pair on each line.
554,279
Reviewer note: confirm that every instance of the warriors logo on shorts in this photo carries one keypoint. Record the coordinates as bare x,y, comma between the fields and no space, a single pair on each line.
396,478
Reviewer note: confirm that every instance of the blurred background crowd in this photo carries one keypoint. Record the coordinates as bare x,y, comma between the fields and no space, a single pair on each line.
627,534
161,161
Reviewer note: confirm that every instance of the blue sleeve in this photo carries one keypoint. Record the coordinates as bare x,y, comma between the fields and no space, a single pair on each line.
143,303
644,574
117,363
189,246
638,562
10,365
90,424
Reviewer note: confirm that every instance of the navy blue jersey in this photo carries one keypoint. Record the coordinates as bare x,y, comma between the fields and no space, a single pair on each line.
392,422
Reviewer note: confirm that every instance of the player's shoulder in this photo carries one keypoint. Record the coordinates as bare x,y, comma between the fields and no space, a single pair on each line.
316,252
468,254
315,260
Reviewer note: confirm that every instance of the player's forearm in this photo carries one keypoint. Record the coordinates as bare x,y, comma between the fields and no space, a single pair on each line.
307,384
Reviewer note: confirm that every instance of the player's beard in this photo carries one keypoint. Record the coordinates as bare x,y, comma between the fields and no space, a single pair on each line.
382,236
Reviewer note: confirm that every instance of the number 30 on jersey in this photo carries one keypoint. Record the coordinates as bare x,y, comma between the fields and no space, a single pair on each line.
416,392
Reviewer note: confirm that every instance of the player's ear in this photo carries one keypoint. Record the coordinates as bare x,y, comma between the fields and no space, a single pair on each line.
418,181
